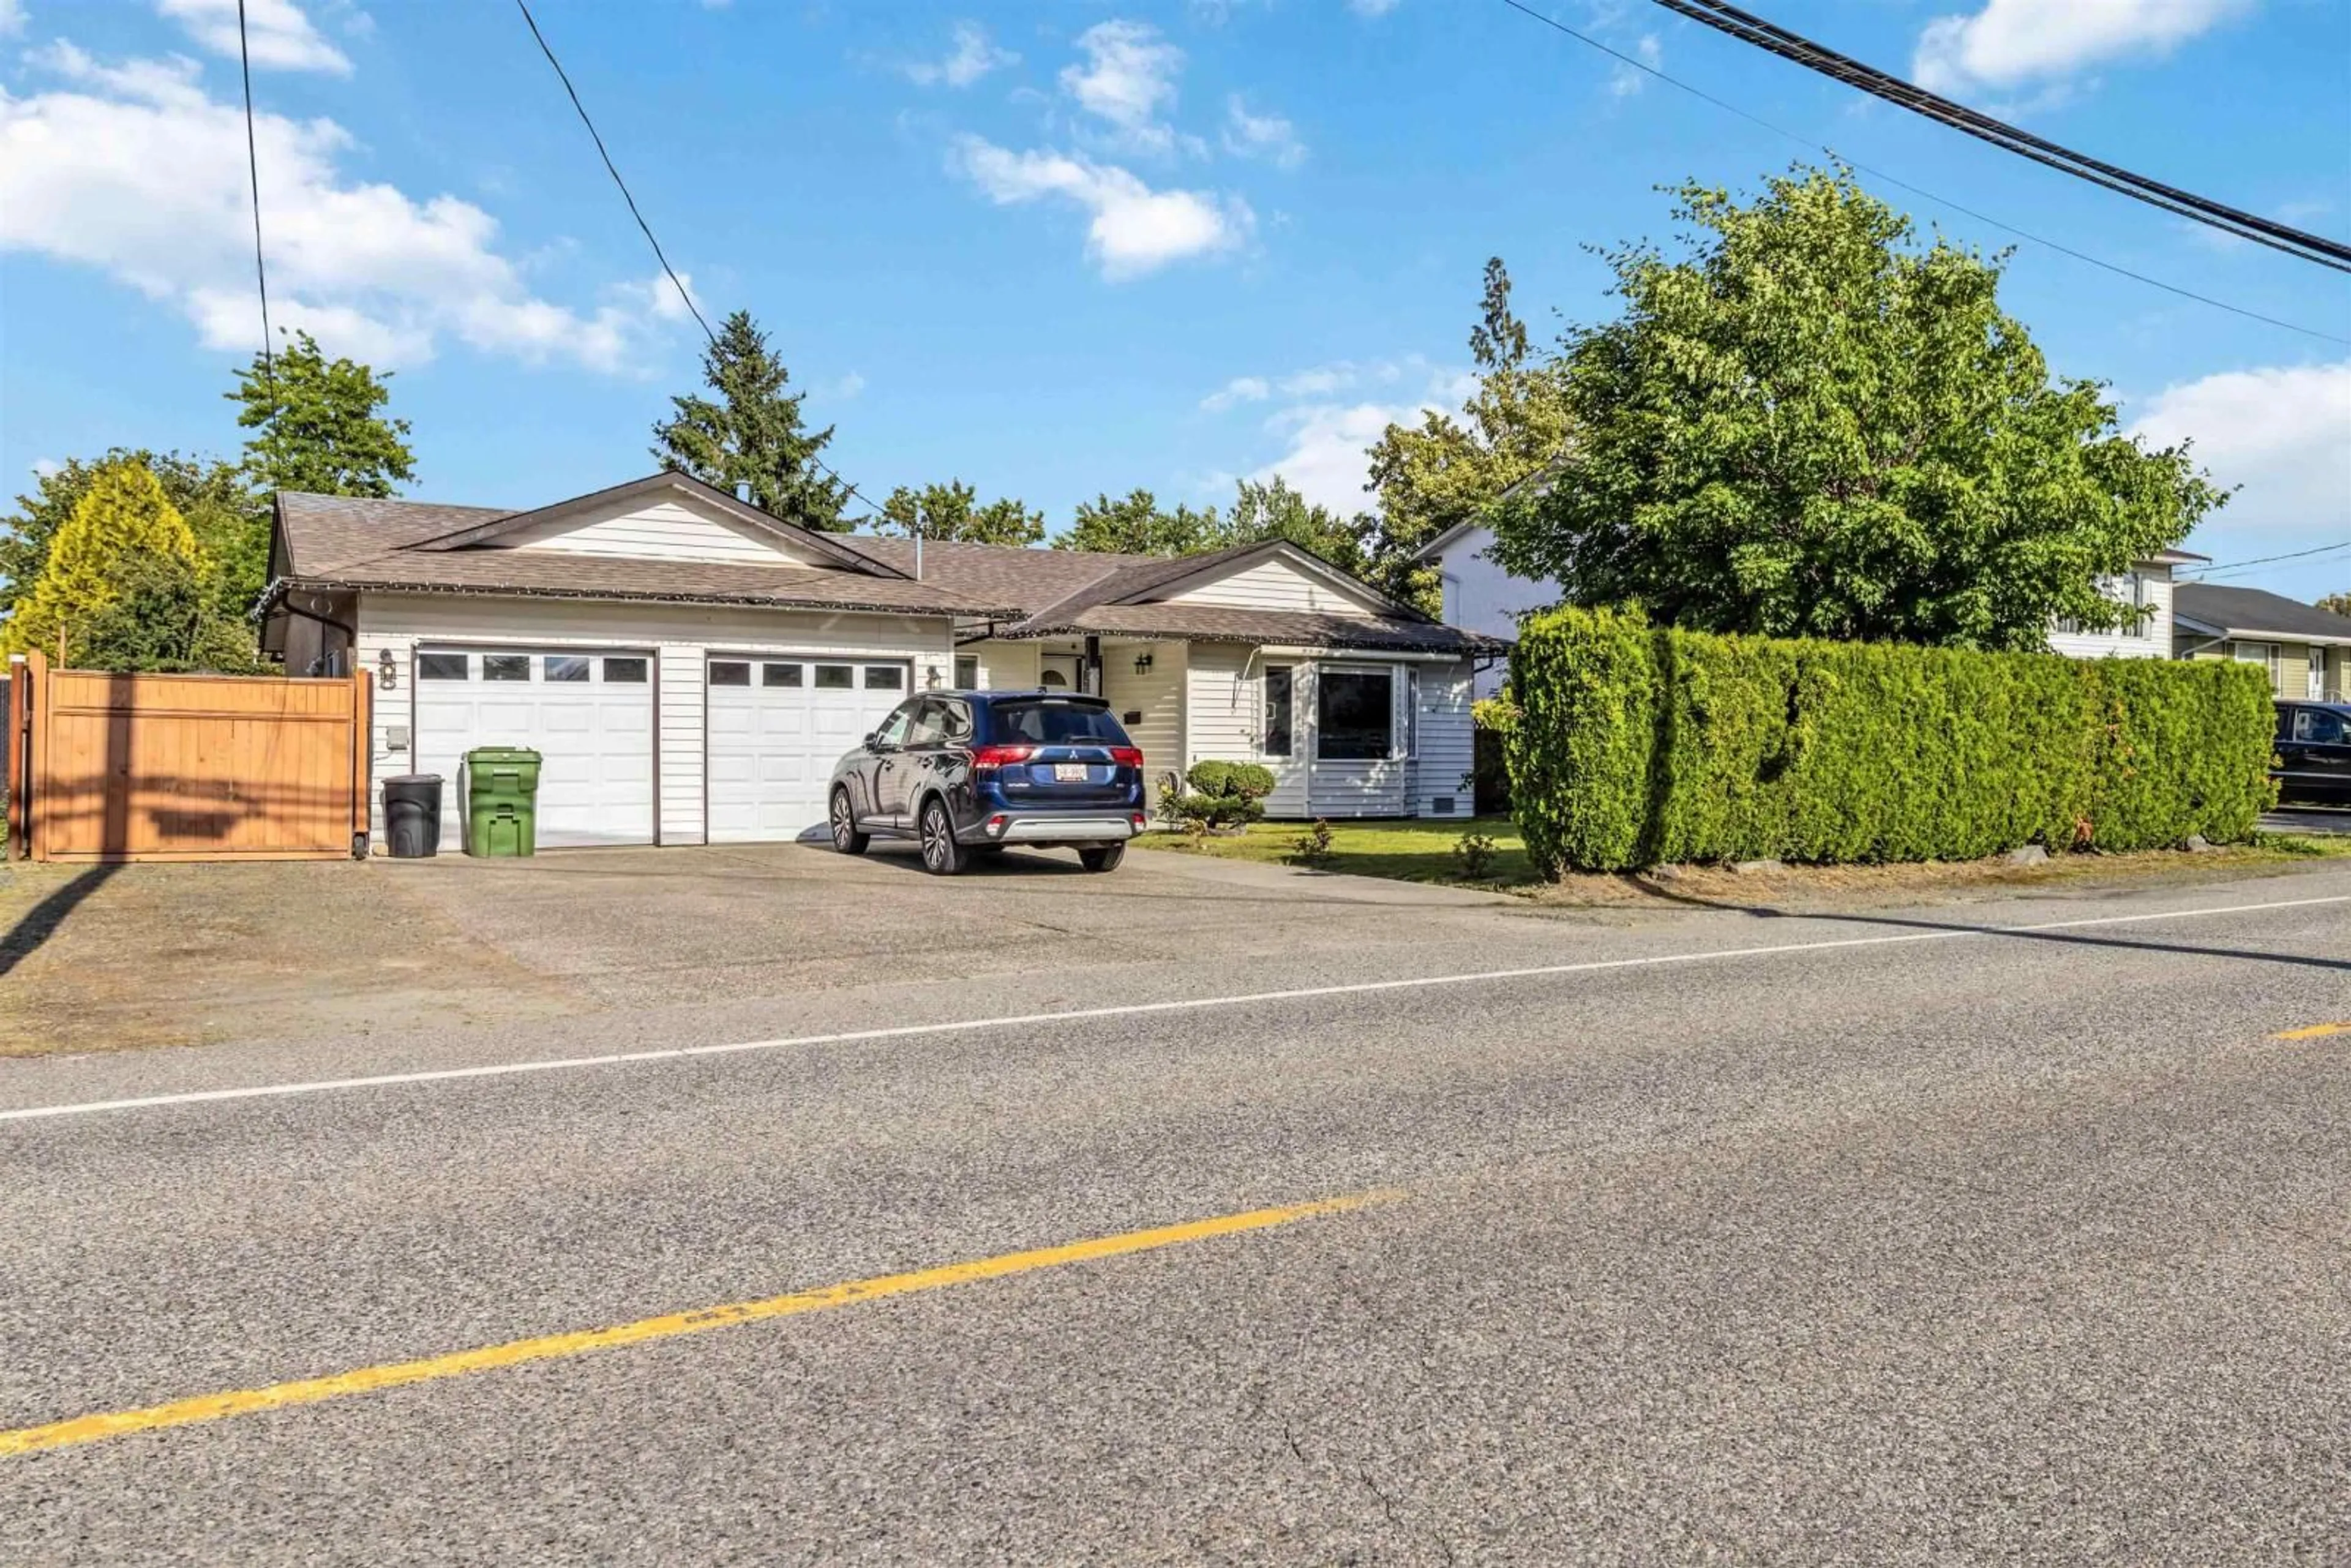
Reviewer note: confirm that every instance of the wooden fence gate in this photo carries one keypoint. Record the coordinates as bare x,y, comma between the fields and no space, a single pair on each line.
189,768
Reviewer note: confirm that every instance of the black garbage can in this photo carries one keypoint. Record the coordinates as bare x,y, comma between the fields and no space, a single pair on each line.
412,815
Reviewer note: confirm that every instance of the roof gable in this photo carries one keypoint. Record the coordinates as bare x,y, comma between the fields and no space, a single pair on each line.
1276,575
664,516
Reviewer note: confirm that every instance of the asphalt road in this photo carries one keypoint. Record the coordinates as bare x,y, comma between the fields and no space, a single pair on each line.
1909,1241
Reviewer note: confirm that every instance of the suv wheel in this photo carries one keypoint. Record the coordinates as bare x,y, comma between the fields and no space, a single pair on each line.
942,856
1104,859
845,836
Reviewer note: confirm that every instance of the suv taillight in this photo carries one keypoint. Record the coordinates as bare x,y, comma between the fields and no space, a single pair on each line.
1126,756
988,759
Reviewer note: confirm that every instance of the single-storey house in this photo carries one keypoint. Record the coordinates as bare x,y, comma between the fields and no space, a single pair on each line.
690,667
1479,596
2303,648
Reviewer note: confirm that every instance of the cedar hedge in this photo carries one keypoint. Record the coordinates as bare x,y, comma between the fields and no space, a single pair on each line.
1637,745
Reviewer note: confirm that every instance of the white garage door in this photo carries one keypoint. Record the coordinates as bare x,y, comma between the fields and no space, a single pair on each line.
776,728
587,714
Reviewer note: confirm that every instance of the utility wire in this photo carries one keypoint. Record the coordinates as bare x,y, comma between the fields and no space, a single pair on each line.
253,169
564,76
2201,572
1789,46
1919,190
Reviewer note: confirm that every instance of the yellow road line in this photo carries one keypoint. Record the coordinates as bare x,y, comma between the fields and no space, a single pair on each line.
2314,1031
550,1347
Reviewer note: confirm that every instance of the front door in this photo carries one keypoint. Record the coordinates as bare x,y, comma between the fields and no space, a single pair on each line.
1061,672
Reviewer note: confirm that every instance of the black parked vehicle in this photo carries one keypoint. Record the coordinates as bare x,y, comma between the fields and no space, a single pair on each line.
966,773
2314,748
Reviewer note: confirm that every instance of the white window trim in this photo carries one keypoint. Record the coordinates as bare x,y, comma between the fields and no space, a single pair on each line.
1353,667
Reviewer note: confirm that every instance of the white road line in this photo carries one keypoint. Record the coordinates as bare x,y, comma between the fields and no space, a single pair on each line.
1126,1009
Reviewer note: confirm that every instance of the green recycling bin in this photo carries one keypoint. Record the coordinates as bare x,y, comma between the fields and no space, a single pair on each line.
501,801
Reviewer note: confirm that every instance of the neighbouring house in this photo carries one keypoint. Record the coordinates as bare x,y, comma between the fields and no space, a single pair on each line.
1479,596
690,667
2303,648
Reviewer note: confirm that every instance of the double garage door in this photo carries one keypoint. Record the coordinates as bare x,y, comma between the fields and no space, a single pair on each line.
774,727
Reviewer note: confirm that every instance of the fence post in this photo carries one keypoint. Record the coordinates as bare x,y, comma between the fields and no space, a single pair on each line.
19,746
363,751
36,737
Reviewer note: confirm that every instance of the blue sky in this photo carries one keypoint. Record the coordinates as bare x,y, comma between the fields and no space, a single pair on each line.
1059,248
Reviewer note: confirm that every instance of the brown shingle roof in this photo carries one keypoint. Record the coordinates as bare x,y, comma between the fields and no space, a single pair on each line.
1027,578
538,572
1294,628
324,532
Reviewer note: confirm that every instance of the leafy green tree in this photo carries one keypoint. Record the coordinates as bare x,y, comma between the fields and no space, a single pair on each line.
123,522
1446,471
950,511
1136,524
230,522
1272,511
319,426
165,616
2338,603
1810,426
749,437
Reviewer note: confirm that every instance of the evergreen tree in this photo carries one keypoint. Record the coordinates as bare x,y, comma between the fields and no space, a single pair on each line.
318,424
121,528
230,522
749,436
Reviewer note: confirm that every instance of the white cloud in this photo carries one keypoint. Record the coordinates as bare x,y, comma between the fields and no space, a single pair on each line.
1324,440
1240,389
1624,81
12,17
1373,7
1128,80
45,467
134,169
2283,434
1132,229
2013,41
277,34
974,55
1267,136
848,386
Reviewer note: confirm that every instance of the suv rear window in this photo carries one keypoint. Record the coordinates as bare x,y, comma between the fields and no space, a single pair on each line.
1040,721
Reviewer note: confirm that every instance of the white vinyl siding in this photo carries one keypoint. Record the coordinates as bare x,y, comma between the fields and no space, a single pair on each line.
1275,585
1446,737
1005,666
665,530
677,636
2149,586
1157,694
1479,596
1223,717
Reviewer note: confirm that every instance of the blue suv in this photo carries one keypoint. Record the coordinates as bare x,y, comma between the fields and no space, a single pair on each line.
966,773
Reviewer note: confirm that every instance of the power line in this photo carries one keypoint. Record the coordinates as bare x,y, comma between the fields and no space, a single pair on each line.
1751,29
1919,190
253,170
2202,572
670,272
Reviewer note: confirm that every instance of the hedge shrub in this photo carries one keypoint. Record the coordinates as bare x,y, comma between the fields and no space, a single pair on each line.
1639,744
1221,794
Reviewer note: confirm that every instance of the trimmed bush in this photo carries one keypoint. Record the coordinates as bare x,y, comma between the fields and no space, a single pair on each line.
1638,744
1222,795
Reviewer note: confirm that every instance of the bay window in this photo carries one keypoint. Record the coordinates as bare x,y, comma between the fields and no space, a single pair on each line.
1354,713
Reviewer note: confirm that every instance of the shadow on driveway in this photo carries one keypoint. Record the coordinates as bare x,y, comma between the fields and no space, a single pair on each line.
38,924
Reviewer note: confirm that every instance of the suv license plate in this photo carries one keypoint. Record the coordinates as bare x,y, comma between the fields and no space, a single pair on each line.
1069,773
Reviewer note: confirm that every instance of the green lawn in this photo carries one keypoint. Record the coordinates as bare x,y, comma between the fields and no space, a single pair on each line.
1407,848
